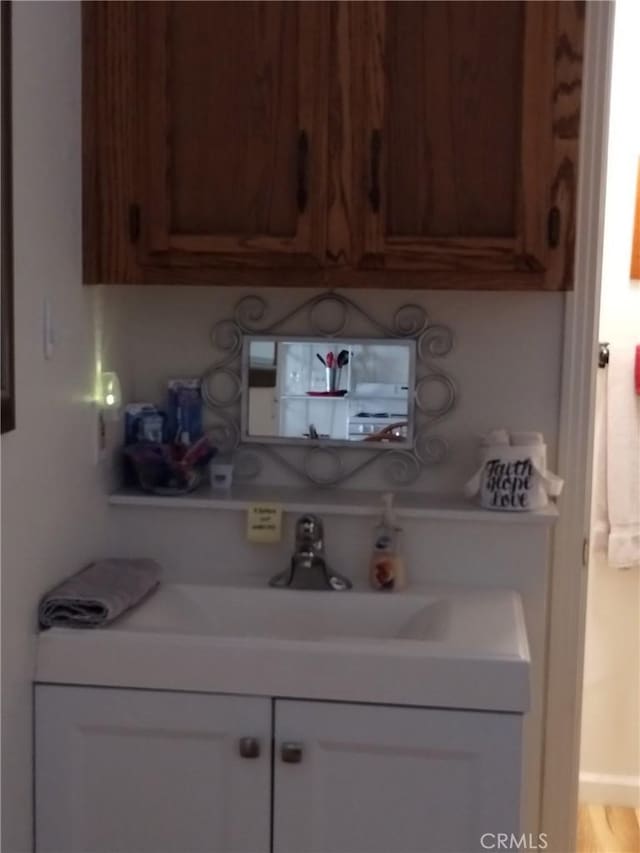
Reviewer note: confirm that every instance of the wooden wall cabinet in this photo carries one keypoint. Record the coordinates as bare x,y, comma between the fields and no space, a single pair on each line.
234,100
427,144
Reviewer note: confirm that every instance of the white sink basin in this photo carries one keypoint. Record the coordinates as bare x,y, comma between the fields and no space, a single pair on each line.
439,647
291,614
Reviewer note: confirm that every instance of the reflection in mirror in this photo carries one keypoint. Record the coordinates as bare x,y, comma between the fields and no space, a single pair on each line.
334,391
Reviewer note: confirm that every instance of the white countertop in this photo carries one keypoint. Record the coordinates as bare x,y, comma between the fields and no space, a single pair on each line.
358,646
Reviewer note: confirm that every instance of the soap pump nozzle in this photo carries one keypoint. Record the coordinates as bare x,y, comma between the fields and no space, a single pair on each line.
388,514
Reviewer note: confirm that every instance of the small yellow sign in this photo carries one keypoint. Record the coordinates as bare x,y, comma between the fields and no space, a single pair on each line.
264,523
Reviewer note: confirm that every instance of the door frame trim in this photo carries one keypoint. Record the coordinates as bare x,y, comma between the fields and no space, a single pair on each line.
567,602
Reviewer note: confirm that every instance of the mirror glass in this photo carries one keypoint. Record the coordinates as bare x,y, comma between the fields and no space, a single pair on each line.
340,392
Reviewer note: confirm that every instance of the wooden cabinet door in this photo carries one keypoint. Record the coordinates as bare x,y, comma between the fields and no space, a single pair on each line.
136,771
374,779
465,140
233,100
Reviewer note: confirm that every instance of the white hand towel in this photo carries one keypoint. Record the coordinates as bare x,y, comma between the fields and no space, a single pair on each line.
623,459
599,511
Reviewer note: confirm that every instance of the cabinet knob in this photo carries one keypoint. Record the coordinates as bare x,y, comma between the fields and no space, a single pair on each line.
374,186
553,227
303,156
291,753
249,747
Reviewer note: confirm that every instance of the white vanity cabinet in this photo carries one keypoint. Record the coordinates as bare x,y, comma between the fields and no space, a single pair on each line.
145,771
142,771
384,779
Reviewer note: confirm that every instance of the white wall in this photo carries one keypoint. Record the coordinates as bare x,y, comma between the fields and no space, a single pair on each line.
505,361
610,749
53,510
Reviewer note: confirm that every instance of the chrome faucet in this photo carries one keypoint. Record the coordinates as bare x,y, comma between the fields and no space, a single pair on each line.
308,568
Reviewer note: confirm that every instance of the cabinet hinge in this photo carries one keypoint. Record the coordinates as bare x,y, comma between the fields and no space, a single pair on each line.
134,222
585,552
553,227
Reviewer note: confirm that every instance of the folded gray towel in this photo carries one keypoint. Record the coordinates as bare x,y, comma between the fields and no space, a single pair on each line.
98,594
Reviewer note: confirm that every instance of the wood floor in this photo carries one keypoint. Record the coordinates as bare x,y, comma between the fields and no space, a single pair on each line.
608,829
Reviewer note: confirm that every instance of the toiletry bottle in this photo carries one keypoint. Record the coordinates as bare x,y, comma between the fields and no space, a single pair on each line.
386,569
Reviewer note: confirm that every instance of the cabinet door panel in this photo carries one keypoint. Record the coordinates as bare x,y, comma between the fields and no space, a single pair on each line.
453,143
235,132
234,139
456,144
126,771
375,779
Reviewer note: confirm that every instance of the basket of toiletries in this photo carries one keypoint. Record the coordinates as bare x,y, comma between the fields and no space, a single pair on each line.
512,475
169,469
166,452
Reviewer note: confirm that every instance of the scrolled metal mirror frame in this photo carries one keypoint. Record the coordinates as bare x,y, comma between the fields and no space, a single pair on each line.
322,465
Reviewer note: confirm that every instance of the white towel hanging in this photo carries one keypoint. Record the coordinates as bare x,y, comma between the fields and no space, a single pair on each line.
623,460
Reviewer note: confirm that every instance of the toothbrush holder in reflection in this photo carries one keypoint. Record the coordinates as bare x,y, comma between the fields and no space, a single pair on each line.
333,378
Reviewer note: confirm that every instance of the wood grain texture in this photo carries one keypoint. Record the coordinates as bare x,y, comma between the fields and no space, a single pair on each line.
214,172
452,77
608,829
152,41
313,106
109,140
536,137
227,88
472,101
345,277
369,97
232,81
340,190
442,82
567,95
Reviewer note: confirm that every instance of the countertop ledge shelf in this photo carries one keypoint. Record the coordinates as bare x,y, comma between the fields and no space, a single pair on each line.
334,502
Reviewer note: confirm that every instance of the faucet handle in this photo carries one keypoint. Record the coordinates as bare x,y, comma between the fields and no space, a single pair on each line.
309,528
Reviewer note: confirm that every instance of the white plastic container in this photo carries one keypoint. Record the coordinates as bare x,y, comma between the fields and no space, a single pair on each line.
221,475
514,477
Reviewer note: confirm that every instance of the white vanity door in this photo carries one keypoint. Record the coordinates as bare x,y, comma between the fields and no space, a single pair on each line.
375,779
136,771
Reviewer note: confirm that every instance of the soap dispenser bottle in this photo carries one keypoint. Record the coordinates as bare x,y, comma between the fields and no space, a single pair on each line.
386,568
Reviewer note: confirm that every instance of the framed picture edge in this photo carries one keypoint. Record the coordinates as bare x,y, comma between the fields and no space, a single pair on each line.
8,412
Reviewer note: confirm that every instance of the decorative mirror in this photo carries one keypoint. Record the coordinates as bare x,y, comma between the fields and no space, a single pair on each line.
329,392
339,392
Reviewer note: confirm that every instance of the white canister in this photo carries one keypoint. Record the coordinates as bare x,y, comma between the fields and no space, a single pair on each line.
221,475
514,479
